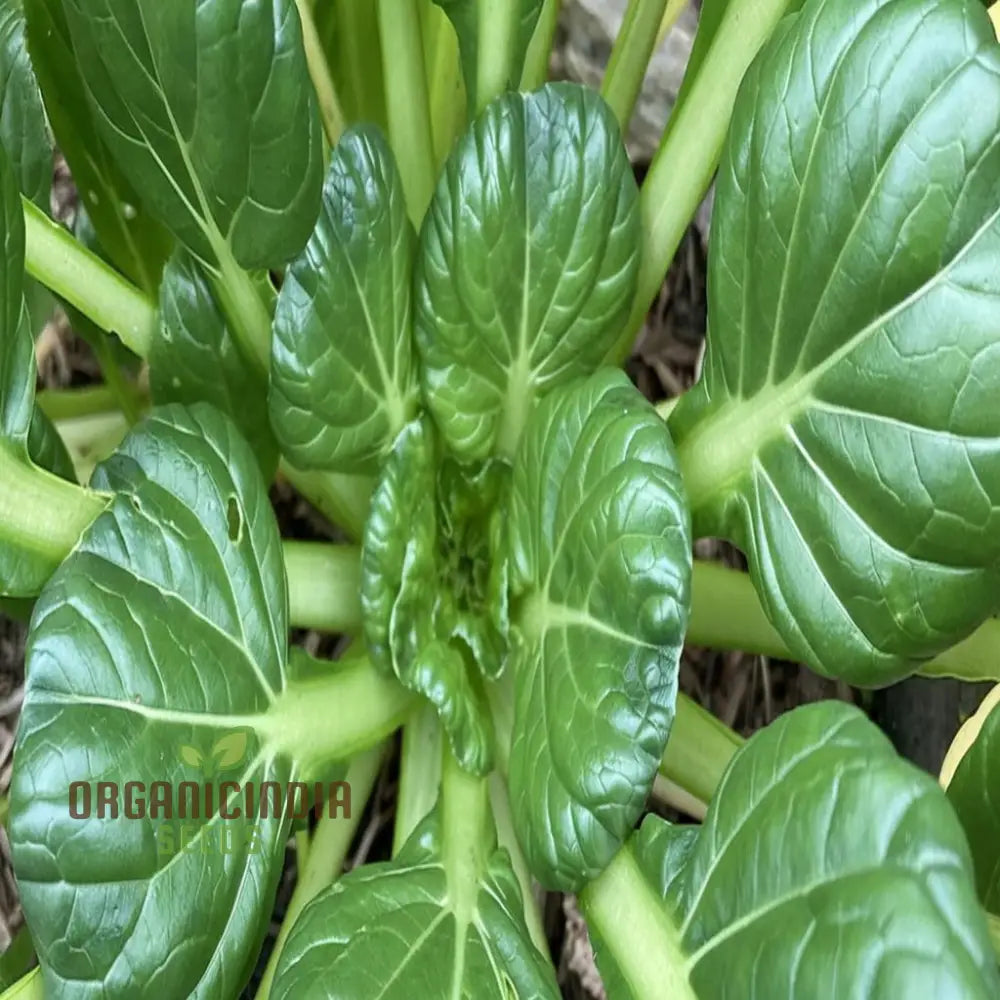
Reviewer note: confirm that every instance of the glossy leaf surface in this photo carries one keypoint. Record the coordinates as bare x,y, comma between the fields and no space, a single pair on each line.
208,109
827,867
600,565
443,919
134,241
527,265
974,791
845,432
165,628
195,357
23,130
343,382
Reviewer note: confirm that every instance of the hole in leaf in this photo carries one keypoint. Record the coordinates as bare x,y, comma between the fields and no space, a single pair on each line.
235,519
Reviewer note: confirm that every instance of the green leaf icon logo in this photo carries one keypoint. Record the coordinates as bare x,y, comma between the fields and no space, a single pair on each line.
230,750
192,756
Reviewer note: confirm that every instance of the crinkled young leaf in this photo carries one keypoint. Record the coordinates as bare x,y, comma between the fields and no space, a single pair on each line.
845,432
974,791
343,382
23,131
135,242
827,867
600,566
465,16
165,628
417,623
208,109
444,918
527,264
195,357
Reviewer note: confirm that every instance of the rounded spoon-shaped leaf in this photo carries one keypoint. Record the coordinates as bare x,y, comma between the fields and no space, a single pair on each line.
845,432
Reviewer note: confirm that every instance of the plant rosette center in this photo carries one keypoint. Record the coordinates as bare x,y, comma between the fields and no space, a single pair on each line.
434,582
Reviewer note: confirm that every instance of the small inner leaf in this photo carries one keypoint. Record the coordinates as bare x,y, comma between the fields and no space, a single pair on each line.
433,583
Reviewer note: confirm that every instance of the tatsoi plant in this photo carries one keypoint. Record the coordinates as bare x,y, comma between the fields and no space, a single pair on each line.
364,247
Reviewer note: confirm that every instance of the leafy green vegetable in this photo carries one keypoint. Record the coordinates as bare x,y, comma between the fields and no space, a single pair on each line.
134,241
443,919
600,564
195,357
844,432
527,264
974,791
342,370
166,627
207,109
468,17
433,585
23,130
826,867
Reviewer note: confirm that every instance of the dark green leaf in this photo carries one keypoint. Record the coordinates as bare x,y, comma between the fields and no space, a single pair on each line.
432,593
600,565
23,130
209,111
444,918
135,243
165,628
195,357
527,263
46,448
465,16
974,791
827,867
845,432
17,346
342,372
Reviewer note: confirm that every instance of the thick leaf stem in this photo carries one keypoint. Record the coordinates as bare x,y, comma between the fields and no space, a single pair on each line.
633,924
465,834
539,54
499,21
64,265
324,583
40,513
507,837
330,111
689,153
630,56
28,987
699,750
407,102
336,715
246,311
419,773
327,853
